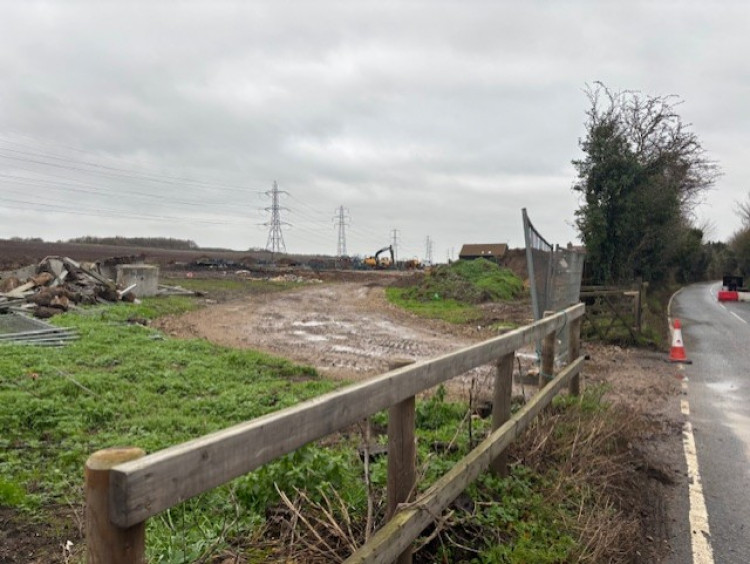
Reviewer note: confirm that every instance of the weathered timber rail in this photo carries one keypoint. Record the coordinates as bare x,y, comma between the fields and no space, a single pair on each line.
131,492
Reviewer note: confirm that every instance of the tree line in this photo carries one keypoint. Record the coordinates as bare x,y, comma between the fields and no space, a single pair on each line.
152,242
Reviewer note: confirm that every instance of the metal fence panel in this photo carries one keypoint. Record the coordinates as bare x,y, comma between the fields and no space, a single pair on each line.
554,275
539,264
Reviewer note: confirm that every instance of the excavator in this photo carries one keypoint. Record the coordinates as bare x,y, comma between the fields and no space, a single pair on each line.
385,262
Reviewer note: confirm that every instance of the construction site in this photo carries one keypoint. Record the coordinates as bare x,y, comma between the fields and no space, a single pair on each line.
338,321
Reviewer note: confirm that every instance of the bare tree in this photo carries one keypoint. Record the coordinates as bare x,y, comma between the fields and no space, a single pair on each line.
743,210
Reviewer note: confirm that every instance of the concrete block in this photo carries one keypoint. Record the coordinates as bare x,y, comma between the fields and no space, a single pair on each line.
145,276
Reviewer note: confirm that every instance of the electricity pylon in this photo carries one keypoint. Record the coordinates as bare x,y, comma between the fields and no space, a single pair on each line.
394,244
275,242
341,223
428,250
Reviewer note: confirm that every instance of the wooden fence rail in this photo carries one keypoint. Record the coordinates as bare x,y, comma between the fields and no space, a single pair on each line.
148,485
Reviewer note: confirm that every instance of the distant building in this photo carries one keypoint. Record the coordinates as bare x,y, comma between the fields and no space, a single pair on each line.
494,252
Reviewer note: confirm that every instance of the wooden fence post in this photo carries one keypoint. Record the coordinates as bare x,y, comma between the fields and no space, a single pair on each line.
501,406
402,456
106,542
574,344
547,369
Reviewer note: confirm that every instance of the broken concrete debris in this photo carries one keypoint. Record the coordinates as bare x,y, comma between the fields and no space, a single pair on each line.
59,283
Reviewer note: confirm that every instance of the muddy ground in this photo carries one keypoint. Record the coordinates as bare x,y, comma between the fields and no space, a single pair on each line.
346,330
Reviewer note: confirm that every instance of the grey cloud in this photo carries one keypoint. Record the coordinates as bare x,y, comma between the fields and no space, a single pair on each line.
439,118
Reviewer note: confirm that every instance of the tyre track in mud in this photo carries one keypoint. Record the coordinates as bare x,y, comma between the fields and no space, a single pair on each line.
344,330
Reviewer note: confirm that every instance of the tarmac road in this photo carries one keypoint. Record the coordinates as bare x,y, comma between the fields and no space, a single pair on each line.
717,340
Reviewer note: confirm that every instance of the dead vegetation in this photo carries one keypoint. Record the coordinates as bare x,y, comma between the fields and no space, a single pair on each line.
590,451
585,455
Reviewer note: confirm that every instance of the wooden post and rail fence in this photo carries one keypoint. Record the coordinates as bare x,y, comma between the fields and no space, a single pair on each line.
124,487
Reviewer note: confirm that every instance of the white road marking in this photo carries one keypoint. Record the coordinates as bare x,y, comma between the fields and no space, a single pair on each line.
699,531
698,514
711,292
669,305
738,317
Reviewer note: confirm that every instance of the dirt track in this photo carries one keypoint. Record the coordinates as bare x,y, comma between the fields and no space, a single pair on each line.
346,330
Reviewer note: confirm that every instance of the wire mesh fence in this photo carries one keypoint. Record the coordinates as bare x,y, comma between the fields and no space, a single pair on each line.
554,274
564,288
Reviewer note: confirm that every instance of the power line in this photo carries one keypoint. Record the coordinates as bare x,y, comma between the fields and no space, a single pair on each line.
126,172
59,184
27,205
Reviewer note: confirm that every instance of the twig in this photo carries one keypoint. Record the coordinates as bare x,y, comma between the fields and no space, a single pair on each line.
74,381
306,522
332,522
471,409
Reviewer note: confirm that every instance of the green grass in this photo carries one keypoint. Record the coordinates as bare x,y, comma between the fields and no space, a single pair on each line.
449,310
469,282
526,526
124,384
452,292
494,282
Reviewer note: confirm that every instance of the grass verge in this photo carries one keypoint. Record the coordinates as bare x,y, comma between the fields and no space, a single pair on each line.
572,494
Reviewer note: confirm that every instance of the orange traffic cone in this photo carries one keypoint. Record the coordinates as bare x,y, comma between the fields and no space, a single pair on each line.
677,353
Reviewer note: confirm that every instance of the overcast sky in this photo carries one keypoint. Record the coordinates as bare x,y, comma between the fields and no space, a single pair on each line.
432,119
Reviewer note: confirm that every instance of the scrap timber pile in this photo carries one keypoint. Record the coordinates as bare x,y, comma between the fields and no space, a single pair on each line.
58,284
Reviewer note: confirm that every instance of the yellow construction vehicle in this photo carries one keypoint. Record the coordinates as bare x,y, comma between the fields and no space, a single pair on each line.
377,262
413,264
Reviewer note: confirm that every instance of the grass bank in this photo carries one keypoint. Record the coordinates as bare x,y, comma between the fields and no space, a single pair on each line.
453,292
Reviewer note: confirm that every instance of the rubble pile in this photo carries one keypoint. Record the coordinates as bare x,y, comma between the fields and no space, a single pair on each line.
59,284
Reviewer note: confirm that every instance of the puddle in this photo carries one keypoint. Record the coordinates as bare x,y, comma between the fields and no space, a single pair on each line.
723,387
740,424
308,337
316,338
309,323
345,349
